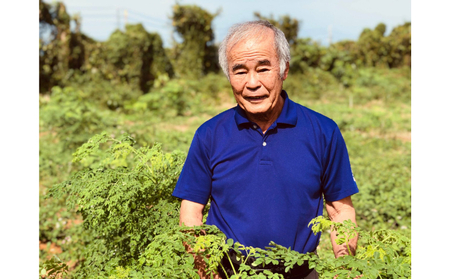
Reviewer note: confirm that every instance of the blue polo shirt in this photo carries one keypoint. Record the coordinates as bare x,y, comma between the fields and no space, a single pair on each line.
267,187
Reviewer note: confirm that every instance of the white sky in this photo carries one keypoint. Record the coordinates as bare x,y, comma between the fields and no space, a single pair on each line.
345,18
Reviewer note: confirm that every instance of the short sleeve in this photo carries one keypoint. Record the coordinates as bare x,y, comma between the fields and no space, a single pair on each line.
337,178
194,183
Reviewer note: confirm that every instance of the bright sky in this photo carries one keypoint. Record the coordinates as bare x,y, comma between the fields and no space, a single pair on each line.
344,19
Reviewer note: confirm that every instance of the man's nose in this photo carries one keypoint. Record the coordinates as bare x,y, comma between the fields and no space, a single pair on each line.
252,81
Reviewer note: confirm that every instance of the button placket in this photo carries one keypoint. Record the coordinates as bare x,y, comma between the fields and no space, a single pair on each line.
264,139
266,150
264,147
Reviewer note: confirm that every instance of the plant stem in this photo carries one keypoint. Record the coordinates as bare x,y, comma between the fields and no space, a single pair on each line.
232,266
224,271
348,246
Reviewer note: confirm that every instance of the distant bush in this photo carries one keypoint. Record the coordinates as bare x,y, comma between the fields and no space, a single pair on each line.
181,95
173,95
314,83
305,53
111,94
382,84
72,117
372,49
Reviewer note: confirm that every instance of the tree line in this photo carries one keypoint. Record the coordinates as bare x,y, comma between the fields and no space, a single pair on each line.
137,57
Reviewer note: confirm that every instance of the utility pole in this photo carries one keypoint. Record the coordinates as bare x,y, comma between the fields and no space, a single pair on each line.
118,18
125,15
330,35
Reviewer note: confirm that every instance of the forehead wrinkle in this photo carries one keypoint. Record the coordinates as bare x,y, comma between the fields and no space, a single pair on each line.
254,36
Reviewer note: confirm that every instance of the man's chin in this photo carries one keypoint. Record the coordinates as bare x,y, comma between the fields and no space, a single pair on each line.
256,110
258,114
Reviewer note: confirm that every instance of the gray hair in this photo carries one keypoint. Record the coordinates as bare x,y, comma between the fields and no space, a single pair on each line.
242,31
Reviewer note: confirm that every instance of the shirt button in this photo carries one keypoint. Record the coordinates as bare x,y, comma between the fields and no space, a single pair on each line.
264,143
254,126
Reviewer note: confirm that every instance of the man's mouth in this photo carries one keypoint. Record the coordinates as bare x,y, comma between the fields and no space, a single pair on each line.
254,98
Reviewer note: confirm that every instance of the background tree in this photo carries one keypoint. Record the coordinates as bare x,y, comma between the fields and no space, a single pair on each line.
137,57
54,40
134,56
372,49
381,28
399,43
196,54
289,26
305,53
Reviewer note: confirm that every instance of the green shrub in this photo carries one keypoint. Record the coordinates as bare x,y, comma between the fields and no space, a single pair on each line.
382,171
312,85
124,197
110,94
130,219
172,96
73,117
305,53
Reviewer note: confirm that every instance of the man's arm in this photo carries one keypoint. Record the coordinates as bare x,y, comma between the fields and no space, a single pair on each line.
191,213
340,211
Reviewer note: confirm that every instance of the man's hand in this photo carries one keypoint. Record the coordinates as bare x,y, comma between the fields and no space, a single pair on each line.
339,211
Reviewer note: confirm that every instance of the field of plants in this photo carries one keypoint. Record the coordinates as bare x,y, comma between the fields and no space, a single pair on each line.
116,119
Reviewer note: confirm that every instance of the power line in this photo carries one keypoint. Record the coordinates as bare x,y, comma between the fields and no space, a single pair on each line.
133,19
149,18
98,16
91,7
88,13
102,8
102,12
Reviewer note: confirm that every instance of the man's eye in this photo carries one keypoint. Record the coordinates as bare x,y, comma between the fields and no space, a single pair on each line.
239,73
263,70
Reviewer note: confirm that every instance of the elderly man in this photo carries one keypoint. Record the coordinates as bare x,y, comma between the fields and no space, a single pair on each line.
267,164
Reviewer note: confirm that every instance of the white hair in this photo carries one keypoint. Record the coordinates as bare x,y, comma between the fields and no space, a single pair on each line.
245,30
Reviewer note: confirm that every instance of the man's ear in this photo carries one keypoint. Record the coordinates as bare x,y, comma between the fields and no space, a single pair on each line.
286,71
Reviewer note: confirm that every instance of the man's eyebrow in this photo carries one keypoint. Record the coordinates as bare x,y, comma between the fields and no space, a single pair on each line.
237,67
264,62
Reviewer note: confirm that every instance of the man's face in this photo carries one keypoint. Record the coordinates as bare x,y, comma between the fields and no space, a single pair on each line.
255,76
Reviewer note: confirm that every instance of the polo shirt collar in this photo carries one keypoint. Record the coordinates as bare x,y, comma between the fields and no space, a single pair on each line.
288,113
